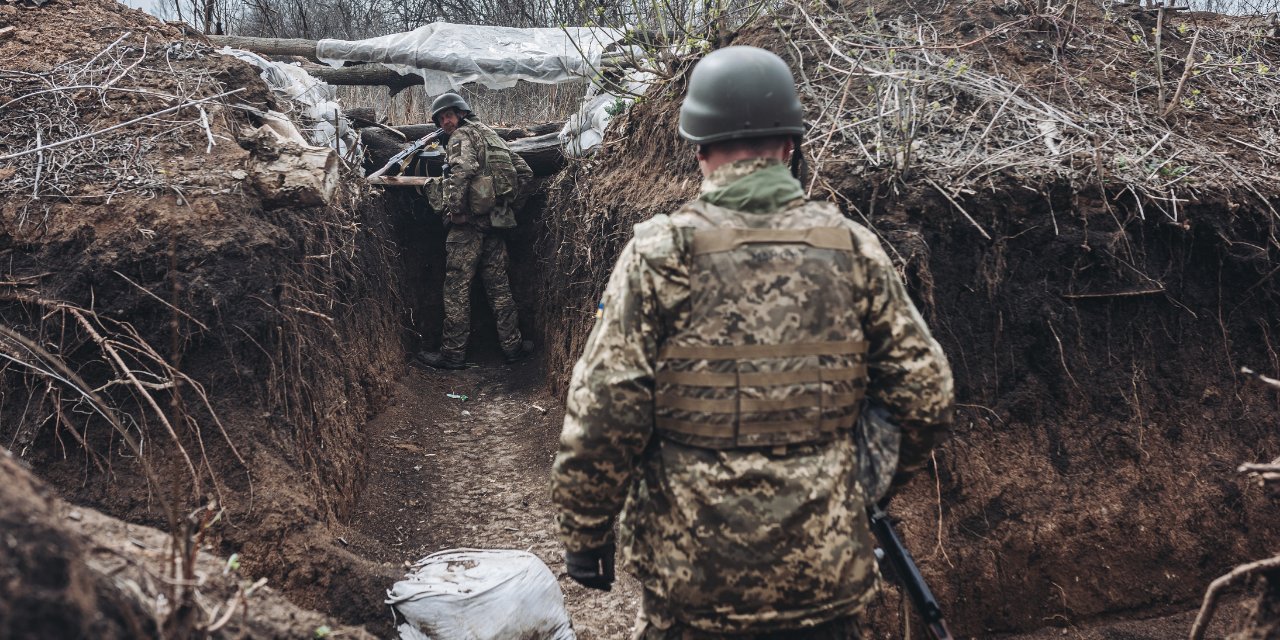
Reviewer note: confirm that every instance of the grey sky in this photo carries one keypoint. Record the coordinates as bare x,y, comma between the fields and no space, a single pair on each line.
150,6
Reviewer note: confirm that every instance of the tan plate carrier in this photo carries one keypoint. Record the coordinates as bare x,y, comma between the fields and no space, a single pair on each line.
773,385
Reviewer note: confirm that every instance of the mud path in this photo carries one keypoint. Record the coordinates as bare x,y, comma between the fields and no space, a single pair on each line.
446,473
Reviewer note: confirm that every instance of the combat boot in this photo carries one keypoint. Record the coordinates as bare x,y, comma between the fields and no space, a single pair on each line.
521,352
437,360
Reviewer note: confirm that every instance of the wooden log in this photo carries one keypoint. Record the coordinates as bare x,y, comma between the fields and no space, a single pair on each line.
360,74
269,46
415,131
543,153
366,76
398,181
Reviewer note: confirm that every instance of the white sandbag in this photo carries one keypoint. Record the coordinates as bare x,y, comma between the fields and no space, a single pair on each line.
584,130
318,101
479,594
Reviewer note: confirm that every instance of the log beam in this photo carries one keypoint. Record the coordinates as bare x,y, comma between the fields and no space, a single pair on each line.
269,46
399,181
365,75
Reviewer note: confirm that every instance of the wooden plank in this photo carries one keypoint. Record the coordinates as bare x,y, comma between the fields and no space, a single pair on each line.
399,181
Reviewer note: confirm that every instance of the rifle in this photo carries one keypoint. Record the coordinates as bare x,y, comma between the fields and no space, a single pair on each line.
405,153
903,567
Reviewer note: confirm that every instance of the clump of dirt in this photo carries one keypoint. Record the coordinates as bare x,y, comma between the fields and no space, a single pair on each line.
46,590
72,572
152,293
1096,306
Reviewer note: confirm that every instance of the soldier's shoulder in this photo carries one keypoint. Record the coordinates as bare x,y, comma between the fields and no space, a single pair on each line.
471,132
865,241
660,242
485,131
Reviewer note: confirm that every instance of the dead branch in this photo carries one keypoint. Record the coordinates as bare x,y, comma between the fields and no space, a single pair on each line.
57,370
99,132
1113,294
1187,66
959,208
1217,586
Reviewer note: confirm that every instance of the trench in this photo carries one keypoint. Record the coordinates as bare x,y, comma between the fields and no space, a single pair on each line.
1089,490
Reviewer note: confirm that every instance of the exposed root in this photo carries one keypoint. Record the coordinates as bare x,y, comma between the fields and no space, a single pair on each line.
1217,586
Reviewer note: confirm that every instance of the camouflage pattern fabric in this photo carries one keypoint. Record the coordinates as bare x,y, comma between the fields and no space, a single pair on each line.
466,154
841,629
745,540
471,243
467,248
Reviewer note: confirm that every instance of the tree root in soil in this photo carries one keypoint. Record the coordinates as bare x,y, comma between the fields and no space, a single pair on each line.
1217,586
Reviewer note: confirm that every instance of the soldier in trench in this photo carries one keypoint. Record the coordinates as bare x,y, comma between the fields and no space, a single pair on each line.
737,342
479,197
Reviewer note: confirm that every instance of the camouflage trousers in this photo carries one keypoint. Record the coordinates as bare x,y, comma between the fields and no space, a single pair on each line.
652,609
844,629
467,249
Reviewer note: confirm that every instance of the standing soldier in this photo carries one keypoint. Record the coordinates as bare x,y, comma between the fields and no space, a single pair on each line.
737,341
482,190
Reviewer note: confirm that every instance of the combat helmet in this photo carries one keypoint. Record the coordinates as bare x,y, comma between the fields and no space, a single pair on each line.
447,101
740,92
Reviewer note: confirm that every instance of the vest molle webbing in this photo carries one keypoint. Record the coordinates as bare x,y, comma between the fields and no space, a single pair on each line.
773,352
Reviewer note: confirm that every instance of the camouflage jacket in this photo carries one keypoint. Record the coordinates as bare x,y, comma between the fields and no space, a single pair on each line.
465,154
734,540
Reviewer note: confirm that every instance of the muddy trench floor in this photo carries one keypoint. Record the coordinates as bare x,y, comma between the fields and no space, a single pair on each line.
448,473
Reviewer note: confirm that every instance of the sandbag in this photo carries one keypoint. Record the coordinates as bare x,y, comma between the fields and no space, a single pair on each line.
479,594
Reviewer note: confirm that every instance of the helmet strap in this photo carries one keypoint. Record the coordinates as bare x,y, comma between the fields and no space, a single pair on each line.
797,159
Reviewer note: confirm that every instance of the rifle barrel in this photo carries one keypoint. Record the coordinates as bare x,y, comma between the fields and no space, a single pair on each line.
905,567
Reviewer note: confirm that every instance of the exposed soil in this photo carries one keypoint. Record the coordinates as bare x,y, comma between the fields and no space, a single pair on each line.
72,572
284,322
1090,486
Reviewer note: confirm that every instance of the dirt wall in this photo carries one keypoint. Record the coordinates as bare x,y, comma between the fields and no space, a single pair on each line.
1095,347
242,340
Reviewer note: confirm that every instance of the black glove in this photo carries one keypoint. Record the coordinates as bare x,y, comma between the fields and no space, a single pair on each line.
592,568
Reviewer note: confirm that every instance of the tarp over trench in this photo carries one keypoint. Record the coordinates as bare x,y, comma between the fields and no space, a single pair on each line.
448,56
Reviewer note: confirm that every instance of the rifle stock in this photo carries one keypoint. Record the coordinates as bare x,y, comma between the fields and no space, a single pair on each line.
904,567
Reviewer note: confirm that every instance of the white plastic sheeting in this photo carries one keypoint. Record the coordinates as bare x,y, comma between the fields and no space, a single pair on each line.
448,56
584,130
477,594
326,126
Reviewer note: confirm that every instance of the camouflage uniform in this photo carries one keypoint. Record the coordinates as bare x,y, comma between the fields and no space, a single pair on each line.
472,243
747,537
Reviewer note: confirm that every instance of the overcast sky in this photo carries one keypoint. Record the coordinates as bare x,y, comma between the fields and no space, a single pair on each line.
150,6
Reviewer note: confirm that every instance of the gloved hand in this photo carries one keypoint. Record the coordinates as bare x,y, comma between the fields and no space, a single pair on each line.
592,568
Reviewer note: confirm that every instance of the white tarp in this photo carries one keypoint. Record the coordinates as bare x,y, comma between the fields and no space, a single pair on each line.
448,56
327,127
479,594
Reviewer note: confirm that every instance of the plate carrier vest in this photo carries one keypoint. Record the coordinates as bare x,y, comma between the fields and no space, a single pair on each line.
773,351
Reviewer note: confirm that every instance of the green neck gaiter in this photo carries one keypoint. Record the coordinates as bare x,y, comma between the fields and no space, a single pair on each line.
763,191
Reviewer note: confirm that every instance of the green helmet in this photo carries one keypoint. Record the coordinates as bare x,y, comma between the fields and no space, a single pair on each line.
447,101
740,92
